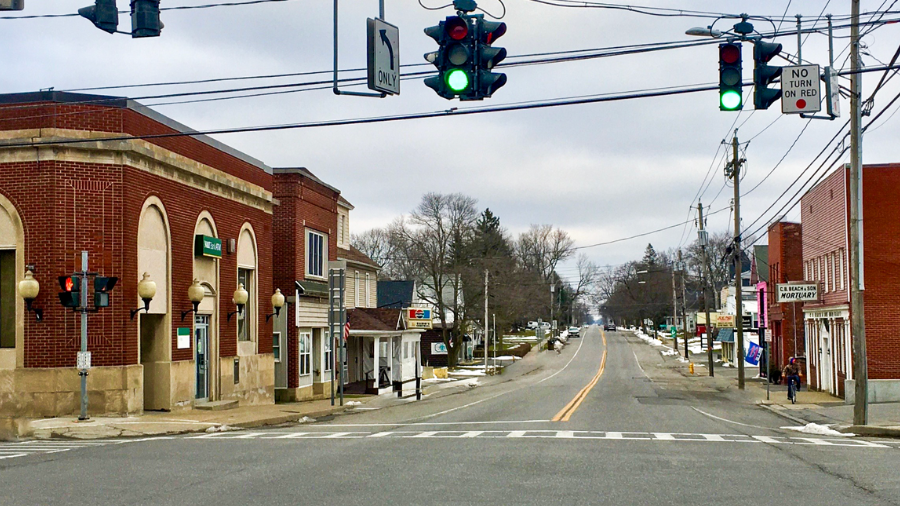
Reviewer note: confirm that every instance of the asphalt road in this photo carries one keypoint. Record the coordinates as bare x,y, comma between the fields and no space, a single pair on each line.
587,426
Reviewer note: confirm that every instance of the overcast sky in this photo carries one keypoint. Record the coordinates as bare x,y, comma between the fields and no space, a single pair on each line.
600,171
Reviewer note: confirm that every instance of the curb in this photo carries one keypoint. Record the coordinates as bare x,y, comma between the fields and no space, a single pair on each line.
871,430
778,410
278,420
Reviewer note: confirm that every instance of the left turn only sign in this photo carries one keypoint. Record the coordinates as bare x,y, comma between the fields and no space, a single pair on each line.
384,56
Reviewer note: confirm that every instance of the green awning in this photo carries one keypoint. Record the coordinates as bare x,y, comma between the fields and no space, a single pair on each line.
312,289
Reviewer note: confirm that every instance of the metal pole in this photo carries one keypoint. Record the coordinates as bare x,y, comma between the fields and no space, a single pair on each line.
341,321
674,310
799,41
486,322
331,308
495,342
683,307
709,339
857,276
84,333
738,282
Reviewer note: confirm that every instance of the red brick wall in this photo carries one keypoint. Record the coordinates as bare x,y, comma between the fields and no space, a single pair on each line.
304,204
69,207
824,216
785,264
881,210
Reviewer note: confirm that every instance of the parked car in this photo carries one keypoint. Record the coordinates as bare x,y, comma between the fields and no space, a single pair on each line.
532,325
574,331
610,327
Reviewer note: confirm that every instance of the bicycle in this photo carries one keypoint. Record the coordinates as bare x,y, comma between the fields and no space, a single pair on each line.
792,390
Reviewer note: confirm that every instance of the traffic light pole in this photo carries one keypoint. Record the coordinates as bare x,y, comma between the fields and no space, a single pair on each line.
83,372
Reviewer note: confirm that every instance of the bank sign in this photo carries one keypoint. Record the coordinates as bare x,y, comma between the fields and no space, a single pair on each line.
797,292
207,246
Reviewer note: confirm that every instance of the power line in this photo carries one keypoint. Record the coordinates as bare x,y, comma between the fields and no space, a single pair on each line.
176,8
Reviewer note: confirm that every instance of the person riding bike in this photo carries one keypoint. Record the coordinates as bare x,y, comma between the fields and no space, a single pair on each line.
792,373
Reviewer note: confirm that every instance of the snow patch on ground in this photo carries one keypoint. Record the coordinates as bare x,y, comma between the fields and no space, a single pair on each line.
509,357
471,382
668,353
222,428
821,430
437,380
352,403
467,373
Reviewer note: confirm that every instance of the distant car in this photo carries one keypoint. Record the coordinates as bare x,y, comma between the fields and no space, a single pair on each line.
574,331
532,325
610,327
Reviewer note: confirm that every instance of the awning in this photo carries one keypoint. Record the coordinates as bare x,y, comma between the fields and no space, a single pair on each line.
312,289
725,336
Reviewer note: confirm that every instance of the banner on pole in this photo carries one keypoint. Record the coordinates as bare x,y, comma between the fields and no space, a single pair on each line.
753,354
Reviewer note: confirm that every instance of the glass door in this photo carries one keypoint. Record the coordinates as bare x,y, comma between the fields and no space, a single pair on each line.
201,355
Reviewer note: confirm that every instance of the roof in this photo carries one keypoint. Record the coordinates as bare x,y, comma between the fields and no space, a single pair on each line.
356,256
725,335
64,97
370,318
304,172
395,294
344,202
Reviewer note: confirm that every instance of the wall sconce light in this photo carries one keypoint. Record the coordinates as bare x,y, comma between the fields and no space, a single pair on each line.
277,303
146,291
195,295
29,288
240,298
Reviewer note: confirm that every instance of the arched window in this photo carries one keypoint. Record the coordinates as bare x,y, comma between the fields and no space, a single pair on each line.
247,275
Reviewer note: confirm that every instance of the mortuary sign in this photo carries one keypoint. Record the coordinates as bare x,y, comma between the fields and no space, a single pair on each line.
790,292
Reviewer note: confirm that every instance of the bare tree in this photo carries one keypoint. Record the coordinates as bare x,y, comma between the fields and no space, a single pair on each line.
438,227
542,247
376,244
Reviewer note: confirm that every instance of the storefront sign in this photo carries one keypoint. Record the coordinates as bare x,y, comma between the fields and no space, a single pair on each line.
417,318
438,349
797,292
207,246
725,321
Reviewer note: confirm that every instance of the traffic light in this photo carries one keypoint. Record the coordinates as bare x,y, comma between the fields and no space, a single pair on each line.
102,287
103,14
145,18
454,58
71,294
763,74
487,56
730,77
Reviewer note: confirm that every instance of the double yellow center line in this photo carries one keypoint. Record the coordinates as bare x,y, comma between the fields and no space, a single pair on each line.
566,412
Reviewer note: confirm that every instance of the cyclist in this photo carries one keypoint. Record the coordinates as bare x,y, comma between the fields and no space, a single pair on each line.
792,373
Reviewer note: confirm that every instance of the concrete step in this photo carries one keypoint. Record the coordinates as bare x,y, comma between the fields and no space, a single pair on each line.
216,405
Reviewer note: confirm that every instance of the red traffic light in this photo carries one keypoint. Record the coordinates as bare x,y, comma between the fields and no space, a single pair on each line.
457,28
729,53
69,283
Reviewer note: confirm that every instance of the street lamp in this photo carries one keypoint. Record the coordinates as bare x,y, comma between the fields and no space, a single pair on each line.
277,303
146,291
29,288
709,31
240,298
195,295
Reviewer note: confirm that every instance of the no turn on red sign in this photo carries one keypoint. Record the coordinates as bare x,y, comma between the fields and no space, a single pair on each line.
801,90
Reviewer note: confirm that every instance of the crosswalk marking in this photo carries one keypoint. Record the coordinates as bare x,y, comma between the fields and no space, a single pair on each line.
662,437
46,447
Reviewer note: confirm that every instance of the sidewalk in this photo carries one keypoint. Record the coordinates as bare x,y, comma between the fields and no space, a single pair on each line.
812,406
154,423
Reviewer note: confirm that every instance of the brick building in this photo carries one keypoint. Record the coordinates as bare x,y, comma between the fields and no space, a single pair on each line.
305,228
785,320
826,220
83,172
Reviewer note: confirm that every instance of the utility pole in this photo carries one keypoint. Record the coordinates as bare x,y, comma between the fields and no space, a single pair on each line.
736,163
704,240
674,310
84,355
683,306
857,284
486,322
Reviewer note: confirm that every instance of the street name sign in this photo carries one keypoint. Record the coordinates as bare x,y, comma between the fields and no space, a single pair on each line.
383,56
797,292
801,89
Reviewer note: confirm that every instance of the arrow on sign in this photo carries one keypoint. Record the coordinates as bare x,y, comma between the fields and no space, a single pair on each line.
386,40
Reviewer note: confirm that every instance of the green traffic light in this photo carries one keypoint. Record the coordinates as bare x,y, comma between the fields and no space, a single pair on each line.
457,80
730,100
